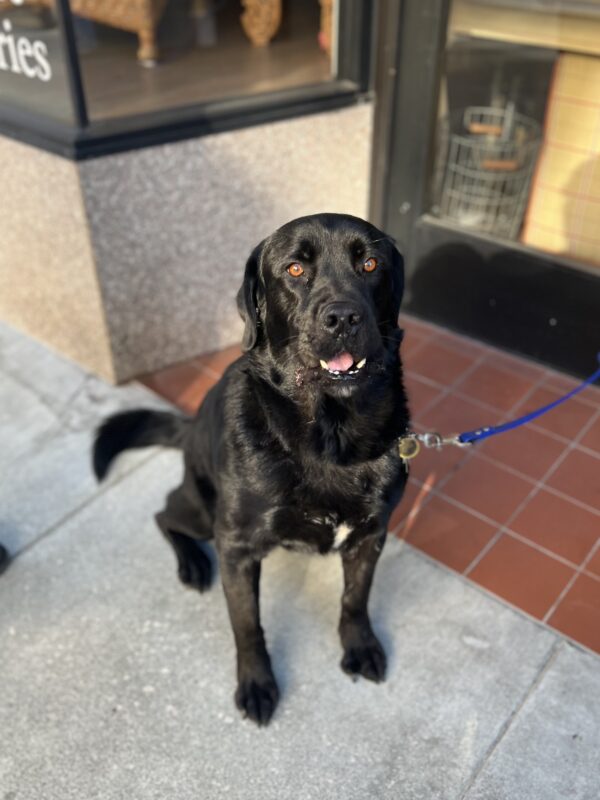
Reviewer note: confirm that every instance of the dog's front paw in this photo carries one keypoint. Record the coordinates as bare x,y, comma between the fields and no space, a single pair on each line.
195,569
257,697
366,658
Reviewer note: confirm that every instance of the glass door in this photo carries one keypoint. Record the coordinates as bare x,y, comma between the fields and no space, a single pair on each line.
500,212
518,132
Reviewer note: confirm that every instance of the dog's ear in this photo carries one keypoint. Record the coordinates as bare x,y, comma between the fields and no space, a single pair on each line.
248,299
397,280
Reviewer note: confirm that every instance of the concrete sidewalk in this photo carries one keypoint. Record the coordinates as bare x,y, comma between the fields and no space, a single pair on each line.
115,682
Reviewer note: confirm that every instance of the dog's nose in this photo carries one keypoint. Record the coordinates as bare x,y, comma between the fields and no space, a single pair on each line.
338,318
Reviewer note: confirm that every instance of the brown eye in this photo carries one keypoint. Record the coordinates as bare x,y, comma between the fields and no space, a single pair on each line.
370,265
295,270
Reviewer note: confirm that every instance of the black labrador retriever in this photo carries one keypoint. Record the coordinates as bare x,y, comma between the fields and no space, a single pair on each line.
296,446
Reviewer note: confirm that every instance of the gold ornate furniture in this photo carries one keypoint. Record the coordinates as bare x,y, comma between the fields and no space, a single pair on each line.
261,20
138,16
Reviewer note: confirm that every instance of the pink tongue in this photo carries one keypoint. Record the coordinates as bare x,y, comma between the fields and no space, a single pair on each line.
340,363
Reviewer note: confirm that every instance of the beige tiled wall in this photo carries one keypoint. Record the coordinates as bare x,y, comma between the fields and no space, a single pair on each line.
48,283
170,228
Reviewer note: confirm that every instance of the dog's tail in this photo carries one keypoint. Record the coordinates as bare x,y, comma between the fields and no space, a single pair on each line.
131,429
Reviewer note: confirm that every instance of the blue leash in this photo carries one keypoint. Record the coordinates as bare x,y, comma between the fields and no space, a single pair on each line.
469,437
409,445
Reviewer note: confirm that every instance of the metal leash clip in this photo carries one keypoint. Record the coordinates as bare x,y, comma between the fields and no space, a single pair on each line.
437,441
409,445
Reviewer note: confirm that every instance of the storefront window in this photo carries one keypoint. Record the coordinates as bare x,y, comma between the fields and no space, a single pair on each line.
129,73
518,140
147,55
33,73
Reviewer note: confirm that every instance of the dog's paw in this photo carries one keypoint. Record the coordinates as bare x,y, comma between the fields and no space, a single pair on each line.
195,569
367,659
4,559
257,698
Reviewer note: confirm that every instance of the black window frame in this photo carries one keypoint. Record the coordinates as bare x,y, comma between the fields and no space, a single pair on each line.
90,139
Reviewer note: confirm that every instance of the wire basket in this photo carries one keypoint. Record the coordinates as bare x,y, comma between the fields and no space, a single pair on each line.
488,169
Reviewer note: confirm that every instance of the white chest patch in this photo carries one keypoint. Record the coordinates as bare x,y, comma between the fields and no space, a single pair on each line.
342,531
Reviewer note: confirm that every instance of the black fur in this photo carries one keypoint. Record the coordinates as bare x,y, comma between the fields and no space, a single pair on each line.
284,453
4,559
132,429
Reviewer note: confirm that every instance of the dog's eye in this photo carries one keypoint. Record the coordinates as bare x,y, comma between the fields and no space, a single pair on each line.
370,265
295,270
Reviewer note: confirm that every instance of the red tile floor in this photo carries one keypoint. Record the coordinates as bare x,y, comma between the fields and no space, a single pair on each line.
518,514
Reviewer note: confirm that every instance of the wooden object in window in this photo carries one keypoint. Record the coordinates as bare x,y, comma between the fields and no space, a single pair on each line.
261,20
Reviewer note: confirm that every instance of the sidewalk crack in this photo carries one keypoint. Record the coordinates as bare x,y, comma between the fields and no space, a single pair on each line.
546,665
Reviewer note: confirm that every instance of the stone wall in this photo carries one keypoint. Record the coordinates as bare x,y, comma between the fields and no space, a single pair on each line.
144,271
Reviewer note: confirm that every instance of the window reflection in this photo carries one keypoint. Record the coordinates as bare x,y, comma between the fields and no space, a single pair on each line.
146,55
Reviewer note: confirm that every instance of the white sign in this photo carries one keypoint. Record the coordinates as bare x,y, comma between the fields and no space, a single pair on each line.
21,55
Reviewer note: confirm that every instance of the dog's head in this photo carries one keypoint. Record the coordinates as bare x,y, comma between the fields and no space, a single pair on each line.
321,295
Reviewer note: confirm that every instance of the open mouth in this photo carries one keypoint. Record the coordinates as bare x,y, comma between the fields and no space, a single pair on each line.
343,366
